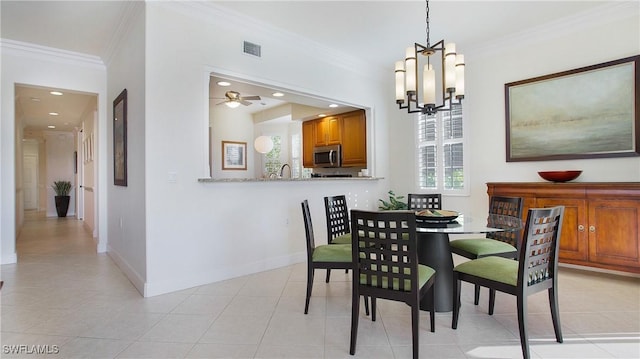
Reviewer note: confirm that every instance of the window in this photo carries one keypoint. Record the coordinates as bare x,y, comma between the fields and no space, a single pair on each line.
273,164
296,155
440,156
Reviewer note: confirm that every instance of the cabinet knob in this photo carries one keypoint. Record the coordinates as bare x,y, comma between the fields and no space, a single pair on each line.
592,229
581,228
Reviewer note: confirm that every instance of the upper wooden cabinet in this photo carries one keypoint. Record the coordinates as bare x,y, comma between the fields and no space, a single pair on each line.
601,220
328,131
348,130
354,139
308,135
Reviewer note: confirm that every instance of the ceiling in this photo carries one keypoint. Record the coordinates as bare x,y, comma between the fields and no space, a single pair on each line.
377,31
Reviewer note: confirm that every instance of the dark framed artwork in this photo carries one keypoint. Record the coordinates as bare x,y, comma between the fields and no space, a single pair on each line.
234,155
590,112
120,139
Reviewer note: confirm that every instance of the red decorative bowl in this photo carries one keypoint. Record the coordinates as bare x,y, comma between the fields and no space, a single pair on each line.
559,176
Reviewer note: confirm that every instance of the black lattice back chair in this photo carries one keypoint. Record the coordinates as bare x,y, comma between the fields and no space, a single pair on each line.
424,201
337,214
337,217
536,270
503,244
336,256
383,247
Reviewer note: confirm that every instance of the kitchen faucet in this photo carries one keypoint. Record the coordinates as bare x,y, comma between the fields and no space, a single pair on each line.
282,170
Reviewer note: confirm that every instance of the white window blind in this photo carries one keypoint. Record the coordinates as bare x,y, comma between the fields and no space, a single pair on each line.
440,157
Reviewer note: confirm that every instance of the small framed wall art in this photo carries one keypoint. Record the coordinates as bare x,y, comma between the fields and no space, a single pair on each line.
120,139
234,155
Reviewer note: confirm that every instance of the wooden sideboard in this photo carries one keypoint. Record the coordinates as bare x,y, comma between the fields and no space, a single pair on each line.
601,220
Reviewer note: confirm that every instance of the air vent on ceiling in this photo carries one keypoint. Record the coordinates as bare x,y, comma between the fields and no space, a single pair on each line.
251,49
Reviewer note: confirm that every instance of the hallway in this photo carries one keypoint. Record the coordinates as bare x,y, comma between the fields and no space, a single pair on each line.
63,298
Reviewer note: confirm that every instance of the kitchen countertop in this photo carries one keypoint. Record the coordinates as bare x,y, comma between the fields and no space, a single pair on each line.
315,179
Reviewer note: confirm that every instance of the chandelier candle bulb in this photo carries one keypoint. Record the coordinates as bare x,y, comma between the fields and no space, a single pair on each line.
400,81
459,76
410,70
429,85
450,67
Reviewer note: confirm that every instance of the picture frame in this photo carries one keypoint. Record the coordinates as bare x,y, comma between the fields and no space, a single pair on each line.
120,139
234,155
589,112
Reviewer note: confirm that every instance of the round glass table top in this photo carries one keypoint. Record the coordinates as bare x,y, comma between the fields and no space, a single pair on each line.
462,225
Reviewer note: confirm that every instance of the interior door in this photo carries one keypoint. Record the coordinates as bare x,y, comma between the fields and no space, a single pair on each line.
30,182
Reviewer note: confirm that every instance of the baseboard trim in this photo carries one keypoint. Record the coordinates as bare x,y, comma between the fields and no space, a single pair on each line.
599,270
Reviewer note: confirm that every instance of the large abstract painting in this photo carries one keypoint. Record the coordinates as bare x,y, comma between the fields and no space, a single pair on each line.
588,112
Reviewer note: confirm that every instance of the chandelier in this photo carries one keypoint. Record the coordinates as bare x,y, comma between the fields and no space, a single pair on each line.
437,94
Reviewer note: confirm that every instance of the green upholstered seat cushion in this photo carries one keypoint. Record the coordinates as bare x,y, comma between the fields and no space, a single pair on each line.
332,253
424,274
497,269
482,246
342,239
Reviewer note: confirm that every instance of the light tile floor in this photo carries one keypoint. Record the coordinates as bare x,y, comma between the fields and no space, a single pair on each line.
63,297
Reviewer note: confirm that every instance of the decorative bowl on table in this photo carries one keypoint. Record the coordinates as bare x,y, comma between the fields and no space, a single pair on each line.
560,176
437,215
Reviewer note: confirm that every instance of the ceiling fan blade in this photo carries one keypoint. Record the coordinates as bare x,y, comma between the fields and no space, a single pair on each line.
251,98
220,103
246,103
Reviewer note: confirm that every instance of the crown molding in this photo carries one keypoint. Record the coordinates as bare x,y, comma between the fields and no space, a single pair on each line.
220,15
130,10
25,49
597,16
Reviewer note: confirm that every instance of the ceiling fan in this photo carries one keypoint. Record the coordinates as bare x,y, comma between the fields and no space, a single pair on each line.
233,99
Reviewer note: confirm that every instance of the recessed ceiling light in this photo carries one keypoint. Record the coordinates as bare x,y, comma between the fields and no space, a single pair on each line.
51,126
333,105
53,113
56,93
277,94
223,83
35,99
321,115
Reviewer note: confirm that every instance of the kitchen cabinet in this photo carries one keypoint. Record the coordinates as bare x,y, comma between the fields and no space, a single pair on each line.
348,130
601,220
354,139
328,131
308,134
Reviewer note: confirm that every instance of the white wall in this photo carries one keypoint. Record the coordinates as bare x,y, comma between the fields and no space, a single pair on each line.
587,39
126,220
35,65
203,232
235,126
59,149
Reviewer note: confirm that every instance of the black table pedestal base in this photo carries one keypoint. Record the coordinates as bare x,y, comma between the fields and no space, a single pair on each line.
433,251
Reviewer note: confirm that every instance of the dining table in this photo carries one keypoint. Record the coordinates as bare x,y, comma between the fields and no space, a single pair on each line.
433,249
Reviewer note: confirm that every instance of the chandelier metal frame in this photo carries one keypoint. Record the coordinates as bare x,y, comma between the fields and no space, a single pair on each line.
408,81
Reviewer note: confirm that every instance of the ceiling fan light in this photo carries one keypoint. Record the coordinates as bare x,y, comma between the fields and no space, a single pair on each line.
232,104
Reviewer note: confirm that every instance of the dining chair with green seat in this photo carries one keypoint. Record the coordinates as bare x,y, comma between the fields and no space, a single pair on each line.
337,219
502,244
325,256
424,201
384,250
535,270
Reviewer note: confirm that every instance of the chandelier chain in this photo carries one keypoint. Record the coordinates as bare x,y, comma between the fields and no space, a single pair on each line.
427,21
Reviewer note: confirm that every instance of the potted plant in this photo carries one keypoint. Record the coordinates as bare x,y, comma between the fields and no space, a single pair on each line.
394,203
62,189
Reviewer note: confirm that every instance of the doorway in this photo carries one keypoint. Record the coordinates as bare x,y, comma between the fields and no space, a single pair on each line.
57,128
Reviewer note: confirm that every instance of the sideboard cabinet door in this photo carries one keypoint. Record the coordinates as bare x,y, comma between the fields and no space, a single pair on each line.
613,232
574,236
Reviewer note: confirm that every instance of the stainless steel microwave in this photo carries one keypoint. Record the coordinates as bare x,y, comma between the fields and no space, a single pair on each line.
327,156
